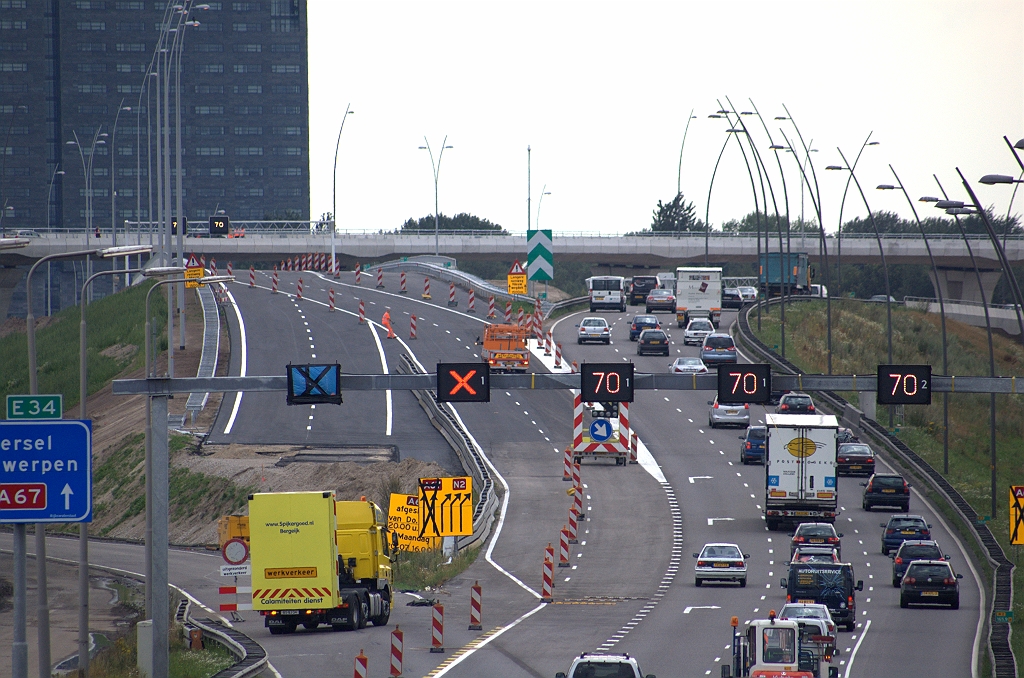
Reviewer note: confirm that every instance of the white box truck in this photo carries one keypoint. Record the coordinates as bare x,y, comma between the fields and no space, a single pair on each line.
800,469
698,295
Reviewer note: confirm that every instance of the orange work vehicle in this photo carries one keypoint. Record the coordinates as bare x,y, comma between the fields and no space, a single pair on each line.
505,348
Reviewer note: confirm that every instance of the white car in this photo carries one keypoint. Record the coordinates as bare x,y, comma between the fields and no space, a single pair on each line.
689,366
809,611
748,293
590,665
721,561
594,329
696,331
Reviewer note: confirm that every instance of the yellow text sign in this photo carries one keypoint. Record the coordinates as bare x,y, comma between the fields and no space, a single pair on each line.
404,520
192,274
517,284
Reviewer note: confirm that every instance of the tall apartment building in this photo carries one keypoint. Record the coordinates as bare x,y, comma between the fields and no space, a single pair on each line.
67,67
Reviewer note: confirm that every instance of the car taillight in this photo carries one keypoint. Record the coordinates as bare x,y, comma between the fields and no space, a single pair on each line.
748,446
899,561
890,531
947,581
783,407
910,580
634,326
841,460
868,488
606,330
833,540
926,532
746,406
702,563
716,405
849,600
810,408
798,539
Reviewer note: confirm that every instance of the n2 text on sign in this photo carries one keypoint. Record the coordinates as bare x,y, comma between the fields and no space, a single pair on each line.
46,471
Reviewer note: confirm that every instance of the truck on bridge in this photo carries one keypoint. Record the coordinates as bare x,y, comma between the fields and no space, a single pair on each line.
800,469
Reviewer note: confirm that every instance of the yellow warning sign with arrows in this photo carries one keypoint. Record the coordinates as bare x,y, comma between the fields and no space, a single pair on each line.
1017,515
446,507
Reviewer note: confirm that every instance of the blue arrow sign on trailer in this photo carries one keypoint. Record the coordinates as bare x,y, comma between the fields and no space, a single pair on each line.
46,471
600,430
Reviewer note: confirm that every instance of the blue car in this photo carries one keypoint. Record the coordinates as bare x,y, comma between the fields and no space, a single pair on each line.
718,349
641,323
903,528
752,449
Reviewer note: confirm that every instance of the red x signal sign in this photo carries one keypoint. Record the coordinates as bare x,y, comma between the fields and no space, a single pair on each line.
463,382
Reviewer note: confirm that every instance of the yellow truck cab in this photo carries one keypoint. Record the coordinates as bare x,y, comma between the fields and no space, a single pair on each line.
317,561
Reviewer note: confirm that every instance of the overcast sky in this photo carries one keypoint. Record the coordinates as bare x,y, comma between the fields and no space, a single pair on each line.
601,92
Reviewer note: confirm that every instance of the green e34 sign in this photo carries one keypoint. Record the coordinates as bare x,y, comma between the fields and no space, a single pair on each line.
35,406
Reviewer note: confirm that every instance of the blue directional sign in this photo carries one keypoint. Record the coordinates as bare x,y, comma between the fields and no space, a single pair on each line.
600,430
46,471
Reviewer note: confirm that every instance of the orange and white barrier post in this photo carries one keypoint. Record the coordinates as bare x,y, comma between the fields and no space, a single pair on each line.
360,665
508,312
412,326
397,650
476,607
380,278
437,628
330,299
529,324
337,269
273,287
575,367
567,464
230,271
362,313
451,295
298,294
563,547
401,279
491,313
252,277
574,526
426,289
548,582
547,344
549,554
287,266
471,307
632,448
558,355
213,267
519,320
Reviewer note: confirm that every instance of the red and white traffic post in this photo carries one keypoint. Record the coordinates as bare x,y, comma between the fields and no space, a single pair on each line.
362,313
426,289
359,273
471,307
401,279
330,299
359,671
632,447
547,344
273,287
476,607
508,312
230,271
563,547
491,313
213,267
548,582
380,278
567,464
412,326
397,650
252,277
298,294
437,628
574,526
451,295
558,355
519,320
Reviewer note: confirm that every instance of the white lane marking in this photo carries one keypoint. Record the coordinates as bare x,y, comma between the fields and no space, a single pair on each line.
242,367
692,478
853,655
502,630
384,366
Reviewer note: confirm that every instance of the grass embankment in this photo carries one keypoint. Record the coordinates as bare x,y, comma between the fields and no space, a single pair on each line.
417,570
859,345
114,343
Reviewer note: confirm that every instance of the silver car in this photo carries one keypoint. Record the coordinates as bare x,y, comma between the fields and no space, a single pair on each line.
594,329
748,294
721,562
688,366
697,331
728,414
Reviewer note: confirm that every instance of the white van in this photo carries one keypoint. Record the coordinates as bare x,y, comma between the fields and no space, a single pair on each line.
607,291
819,291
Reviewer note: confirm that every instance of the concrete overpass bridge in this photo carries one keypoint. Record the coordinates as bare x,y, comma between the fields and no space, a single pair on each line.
608,254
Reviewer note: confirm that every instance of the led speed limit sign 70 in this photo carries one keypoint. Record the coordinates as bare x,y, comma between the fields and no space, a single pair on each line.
607,382
744,383
904,385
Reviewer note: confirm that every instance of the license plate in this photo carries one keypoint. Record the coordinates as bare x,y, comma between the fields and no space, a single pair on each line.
655,342
856,468
731,412
817,541
888,491
907,532
801,513
721,564
289,612
808,601
930,593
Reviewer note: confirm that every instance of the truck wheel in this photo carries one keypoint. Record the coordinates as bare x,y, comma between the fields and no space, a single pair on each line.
277,630
355,617
385,613
364,609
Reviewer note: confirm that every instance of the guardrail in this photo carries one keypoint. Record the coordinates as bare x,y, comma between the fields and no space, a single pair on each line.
442,416
252,658
1002,599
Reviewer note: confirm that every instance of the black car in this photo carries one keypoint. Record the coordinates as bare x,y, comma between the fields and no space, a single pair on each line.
903,528
930,582
640,286
909,551
795,403
886,489
752,447
855,459
652,341
731,298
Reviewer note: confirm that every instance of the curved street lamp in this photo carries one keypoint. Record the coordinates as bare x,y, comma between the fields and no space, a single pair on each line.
679,174
334,190
842,203
437,171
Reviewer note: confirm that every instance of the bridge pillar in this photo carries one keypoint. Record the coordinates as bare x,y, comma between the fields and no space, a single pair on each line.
962,283
9,279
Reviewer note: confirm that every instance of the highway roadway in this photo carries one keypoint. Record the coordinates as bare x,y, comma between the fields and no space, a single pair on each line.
630,587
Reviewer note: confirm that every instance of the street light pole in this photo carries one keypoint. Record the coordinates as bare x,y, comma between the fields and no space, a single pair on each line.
679,174
437,171
87,171
842,203
334,190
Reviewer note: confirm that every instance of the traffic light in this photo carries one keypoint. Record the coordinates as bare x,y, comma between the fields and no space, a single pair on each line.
464,382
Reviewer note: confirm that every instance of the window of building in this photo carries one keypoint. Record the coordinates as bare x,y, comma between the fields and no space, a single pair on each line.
92,110
248,48
286,68
92,25
209,27
287,47
248,192
204,131
249,150
125,150
130,68
288,110
288,192
13,150
248,89
92,68
215,6
248,68
18,130
284,8
13,67
207,47
210,68
284,25
248,171
136,5
92,89
288,150
214,172
13,46
247,6
90,4
96,192
209,110
209,89
13,25
245,131
210,192
287,171
129,89
135,26
288,131
130,47
130,171
209,150
287,89
89,46
247,28
249,110
13,4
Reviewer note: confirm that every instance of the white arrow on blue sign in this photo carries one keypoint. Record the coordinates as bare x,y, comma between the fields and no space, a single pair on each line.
600,430
46,471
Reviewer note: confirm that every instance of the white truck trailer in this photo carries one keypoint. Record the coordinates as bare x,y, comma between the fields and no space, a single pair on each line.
800,469
698,295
